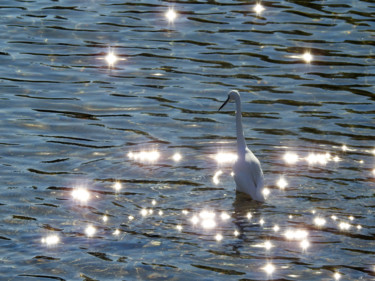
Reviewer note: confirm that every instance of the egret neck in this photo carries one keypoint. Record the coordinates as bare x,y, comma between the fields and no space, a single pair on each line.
241,144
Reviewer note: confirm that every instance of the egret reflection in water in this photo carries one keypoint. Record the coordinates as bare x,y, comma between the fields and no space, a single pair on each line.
248,173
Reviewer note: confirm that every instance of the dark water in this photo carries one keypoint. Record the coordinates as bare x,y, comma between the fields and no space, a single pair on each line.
70,120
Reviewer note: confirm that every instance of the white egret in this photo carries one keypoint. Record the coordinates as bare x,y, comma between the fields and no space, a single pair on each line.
248,173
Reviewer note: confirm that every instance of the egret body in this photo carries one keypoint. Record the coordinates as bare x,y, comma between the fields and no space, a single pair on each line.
248,173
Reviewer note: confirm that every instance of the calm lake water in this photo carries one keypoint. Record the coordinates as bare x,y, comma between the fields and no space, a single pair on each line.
74,126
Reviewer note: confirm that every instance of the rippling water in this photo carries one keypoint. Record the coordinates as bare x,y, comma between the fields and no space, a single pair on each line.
70,120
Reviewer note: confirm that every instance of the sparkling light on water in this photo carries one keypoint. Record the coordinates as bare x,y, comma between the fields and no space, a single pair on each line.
116,232
296,234
258,8
51,240
171,15
266,192
111,59
208,219
144,212
290,158
276,228
105,218
267,245
304,244
218,237
282,183
177,157
144,156
307,57
318,221
318,158
81,194
194,219
224,216
215,178
269,268
337,276
226,157
344,226
117,186
249,215
179,227
90,231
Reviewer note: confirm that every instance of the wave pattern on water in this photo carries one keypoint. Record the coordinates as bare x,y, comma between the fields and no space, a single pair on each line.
70,118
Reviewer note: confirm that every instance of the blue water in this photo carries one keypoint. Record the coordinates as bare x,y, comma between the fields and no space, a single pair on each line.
70,120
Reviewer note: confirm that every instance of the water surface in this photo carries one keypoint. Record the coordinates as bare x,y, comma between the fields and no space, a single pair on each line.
70,120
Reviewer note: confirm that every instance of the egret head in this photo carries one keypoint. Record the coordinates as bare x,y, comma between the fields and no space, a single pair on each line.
232,96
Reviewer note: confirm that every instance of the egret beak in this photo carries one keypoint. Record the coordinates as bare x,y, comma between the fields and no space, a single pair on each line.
224,104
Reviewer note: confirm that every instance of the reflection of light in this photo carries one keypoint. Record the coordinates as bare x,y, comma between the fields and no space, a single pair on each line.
144,212
105,218
351,218
90,231
208,223
117,186
144,156
81,194
304,244
226,157
208,219
249,215
266,192
179,227
153,202
344,148
336,158
111,58
218,237
359,227
185,212
337,276
225,216
269,268
319,221
258,8
261,222
207,214
236,233
116,232
267,245
171,15
373,172
290,158
51,240
215,178
160,213
344,226
333,217
194,220
276,228
177,157
282,183
296,234
314,158
307,57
